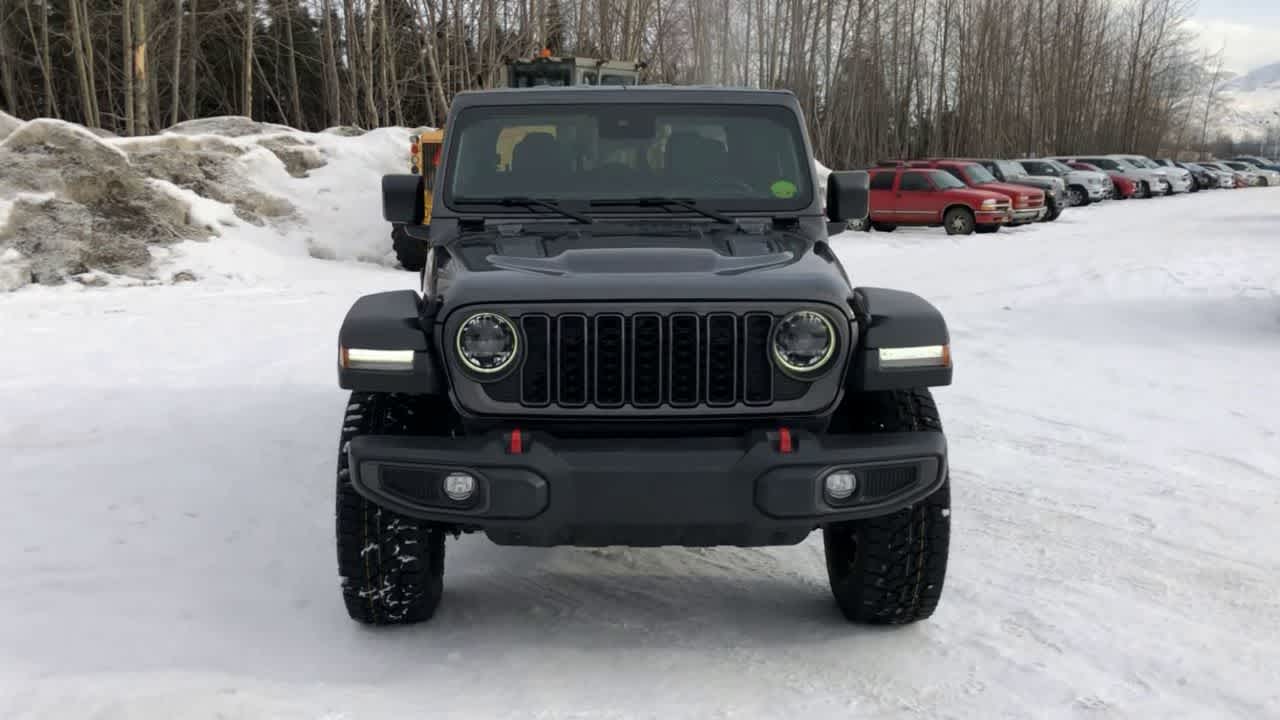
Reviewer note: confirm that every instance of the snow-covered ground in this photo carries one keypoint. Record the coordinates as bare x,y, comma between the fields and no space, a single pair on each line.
168,473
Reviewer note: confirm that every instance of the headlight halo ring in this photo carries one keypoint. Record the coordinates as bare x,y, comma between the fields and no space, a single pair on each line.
468,364
818,367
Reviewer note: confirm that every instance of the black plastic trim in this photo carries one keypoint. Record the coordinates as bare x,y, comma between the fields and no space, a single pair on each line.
642,491
389,321
895,319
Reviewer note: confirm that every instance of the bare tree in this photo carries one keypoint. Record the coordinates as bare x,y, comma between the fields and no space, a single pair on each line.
246,96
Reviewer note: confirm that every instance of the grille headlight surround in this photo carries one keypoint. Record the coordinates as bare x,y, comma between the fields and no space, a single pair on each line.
487,343
803,343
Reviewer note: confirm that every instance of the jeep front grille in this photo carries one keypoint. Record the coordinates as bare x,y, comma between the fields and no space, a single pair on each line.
644,360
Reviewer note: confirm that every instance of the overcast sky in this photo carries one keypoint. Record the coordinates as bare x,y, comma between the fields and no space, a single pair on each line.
1250,28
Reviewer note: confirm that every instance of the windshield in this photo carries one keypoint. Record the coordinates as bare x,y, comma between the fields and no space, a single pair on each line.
555,74
1010,168
1123,163
1040,167
1104,163
731,157
1145,163
1062,167
945,180
977,175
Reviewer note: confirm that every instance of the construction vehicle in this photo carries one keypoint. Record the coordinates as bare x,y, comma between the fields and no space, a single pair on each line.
541,70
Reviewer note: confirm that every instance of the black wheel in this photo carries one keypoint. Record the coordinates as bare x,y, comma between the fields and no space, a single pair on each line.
1168,190
410,253
1055,212
986,229
884,227
1144,190
391,566
889,570
958,221
1078,195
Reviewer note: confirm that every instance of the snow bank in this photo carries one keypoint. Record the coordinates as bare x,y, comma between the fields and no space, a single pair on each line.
8,124
76,205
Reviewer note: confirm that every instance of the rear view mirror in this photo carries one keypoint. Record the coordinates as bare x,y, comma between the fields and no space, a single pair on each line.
848,195
403,199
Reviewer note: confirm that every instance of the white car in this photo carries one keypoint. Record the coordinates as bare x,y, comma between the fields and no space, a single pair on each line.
1083,186
1265,176
1149,182
1238,177
1179,180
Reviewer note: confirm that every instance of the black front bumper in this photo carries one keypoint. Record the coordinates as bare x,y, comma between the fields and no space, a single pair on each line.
695,491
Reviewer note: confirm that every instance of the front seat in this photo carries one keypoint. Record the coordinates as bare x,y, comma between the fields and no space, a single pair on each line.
692,157
537,157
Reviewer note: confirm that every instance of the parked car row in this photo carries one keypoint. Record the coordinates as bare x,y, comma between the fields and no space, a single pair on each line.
966,195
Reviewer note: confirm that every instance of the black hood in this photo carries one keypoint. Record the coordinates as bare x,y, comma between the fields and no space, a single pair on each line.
655,262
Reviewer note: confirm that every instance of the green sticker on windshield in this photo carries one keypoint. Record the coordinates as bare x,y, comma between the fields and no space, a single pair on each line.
783,189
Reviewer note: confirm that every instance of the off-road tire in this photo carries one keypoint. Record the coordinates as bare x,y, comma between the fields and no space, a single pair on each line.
889,570
958,221
410,253
884,227
1079,196
391,566
1055,212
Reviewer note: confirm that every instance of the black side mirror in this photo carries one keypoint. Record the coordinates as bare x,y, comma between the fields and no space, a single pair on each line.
848,195
403,199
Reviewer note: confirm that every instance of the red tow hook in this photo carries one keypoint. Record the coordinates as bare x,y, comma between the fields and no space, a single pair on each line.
784,441
515,442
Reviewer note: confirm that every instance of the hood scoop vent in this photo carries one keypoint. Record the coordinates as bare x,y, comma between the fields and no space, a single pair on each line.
640,261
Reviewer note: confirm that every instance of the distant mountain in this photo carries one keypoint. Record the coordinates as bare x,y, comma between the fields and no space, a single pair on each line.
1267,76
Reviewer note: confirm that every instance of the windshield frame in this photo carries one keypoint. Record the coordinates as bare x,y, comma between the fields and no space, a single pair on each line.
1018,170
942,180
984,176
1058,173
802,202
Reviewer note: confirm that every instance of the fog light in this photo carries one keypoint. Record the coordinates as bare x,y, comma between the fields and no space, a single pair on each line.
840,484
459,486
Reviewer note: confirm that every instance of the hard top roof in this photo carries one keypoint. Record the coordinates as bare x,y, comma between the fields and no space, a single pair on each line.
618,94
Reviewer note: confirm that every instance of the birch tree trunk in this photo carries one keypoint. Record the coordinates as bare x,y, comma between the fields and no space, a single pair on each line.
177,63
246,96
127,48
295,94
193,57
141,95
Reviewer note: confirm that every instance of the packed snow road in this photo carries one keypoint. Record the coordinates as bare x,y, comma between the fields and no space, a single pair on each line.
168,538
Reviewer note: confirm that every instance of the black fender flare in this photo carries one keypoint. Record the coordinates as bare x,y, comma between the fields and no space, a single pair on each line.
388,321
894,319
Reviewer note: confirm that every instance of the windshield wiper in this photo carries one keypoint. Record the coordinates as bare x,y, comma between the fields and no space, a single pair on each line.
667,202
526,202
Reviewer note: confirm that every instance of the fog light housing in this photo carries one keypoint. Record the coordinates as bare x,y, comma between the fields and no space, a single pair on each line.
459,486
840,484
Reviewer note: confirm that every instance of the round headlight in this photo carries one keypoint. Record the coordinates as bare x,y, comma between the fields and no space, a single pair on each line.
487,343
804,341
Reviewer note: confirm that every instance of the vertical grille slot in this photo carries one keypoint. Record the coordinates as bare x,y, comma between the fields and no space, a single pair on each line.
610,360
572,365
535,375
722,359
757,370
646,357
683,359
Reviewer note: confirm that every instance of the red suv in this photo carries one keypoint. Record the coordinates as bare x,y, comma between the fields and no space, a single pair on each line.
1028,202
930,197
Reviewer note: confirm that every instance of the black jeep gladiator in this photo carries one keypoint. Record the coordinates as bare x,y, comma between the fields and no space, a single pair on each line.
631,330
